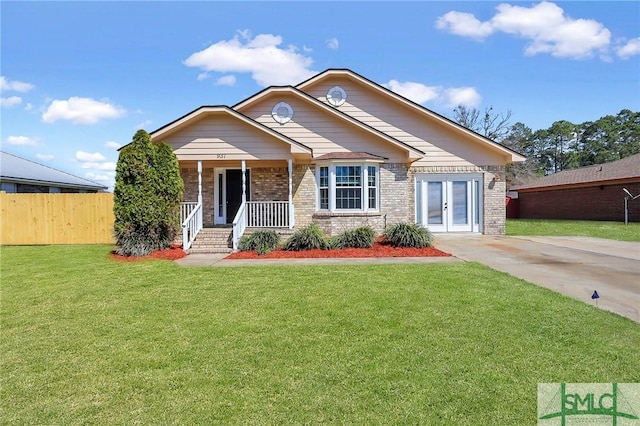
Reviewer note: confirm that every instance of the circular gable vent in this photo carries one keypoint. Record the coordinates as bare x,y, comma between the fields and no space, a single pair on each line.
282,112
336,96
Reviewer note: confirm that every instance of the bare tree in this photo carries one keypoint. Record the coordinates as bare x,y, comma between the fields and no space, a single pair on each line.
490,125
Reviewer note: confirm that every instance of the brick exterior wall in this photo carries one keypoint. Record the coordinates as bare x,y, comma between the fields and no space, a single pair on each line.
397,195
190,179
600,202
494,192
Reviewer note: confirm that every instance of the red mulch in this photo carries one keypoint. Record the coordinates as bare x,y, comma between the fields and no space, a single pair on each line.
173,253
378,250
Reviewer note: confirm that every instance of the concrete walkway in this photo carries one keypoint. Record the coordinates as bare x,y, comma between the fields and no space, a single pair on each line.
574,266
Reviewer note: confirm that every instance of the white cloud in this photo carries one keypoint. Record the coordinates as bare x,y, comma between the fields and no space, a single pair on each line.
333,43
544,25
227,80
81,111
10,101
142,125
203,76
260,56
107,165
420,93
45,157
22,140
28,107
464,24
86,156
631,48
467,96
112,145
100,177
417,92
15,86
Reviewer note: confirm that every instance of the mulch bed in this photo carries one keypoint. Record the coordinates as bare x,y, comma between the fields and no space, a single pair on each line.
378,250
173,253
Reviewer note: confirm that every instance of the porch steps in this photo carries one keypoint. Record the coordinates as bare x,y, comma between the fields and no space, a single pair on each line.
212,240
218,240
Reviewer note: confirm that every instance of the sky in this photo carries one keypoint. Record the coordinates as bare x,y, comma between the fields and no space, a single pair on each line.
78,79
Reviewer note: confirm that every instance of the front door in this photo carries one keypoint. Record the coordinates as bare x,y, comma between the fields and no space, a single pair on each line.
228,194
233,189
449,203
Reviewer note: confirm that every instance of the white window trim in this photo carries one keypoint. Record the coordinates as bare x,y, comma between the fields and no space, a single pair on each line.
364,168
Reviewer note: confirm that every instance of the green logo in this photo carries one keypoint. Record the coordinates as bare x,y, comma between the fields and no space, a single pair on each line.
563,404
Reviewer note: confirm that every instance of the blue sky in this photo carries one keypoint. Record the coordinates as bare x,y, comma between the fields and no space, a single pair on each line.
79,78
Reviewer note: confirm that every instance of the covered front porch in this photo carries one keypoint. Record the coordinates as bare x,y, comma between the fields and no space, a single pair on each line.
237,194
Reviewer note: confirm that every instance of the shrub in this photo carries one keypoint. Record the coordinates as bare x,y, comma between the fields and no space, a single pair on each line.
408,235
261,241
147,196
307,238
362,237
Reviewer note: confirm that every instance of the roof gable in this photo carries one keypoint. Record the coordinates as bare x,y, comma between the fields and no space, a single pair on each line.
387,94
204,111
412,152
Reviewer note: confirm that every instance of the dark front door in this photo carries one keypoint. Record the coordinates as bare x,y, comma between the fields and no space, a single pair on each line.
234,192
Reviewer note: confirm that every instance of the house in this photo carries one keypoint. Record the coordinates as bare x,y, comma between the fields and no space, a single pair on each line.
340,150
587,193
19,175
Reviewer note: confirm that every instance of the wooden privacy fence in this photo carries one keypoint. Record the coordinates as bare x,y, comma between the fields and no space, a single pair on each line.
56,219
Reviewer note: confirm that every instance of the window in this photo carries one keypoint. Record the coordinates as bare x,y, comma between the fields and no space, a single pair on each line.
324,188
372,184
348,187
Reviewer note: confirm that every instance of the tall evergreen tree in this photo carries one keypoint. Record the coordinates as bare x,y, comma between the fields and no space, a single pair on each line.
147,196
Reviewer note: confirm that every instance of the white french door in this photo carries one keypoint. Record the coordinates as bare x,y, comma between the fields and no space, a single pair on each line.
449,203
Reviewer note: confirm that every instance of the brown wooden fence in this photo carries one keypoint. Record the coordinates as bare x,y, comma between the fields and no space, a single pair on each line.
56,219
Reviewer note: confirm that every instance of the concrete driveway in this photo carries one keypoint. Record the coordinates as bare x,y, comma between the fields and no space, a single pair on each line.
574,266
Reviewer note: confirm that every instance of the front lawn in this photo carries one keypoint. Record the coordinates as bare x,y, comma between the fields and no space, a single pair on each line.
574,228
86,340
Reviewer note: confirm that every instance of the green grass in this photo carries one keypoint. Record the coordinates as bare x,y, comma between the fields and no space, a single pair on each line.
574,228
86,340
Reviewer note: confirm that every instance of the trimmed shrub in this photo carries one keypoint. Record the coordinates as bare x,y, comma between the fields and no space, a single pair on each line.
260,241
362,237
147,196
308,238
408,235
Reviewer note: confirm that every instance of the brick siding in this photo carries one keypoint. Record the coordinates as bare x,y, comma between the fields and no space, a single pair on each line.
600,202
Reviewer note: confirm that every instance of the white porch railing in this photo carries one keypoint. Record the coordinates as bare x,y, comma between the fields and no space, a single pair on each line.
239,225
191,216
267,214
262,214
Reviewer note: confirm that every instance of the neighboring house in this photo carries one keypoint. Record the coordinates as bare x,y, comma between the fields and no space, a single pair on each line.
341,151
19,175
587,193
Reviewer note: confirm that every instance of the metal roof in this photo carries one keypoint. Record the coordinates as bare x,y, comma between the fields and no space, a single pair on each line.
626,168
20,170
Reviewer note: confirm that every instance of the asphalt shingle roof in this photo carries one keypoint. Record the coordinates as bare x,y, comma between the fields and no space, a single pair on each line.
626,168
21,170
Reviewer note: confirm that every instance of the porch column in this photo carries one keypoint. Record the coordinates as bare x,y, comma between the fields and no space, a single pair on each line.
244,181
291,212
199,181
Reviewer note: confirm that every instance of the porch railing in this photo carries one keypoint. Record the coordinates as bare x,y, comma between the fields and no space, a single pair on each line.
191,216
239,225
262,214
268,214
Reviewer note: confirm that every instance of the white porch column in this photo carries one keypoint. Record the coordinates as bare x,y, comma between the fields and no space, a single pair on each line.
199,181
244,181
291,212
